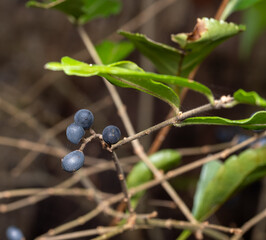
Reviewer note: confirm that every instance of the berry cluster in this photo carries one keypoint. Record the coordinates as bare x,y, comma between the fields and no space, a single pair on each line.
83,120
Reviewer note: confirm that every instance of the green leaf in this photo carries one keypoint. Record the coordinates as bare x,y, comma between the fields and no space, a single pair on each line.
213,191
81,11
207,34
237,5
111,52
195,46
254,176
255,21
164,57
128,74
249,98
256,122
207,174
165,160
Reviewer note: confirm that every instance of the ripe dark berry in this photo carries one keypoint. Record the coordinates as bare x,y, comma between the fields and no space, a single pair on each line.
111,134
73,161
84,118
74,133
14,233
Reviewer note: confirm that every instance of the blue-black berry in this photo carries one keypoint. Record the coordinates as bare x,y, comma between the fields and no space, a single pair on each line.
74,133
73,161
14,233
111,134
84,118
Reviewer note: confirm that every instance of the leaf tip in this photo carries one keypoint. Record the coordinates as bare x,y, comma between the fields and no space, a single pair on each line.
54,66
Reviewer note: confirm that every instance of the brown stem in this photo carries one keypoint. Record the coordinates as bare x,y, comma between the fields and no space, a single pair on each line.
249,224
221,9
121,177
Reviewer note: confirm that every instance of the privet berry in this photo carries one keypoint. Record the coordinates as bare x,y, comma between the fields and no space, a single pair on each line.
73,161
111,134
14,233
74,133
84,118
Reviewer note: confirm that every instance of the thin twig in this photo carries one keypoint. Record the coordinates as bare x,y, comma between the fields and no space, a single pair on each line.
79,221
170,223
111,234
89,139
175,120
121,177
174,173
48,192
80,234
96,168
249,224
144,224
206,149
160,137
21,116
259,231
32,146
221,9
171,174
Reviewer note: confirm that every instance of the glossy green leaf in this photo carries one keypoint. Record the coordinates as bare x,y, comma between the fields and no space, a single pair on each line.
164,57
256,122
249,98
111,52
212,192
207,34
164,160
81,11
237,5
128,74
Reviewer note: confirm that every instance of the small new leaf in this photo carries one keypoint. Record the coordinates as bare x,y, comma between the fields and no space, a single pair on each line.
251,98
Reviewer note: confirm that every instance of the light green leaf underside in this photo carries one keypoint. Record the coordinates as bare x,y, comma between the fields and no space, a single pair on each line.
164,160
255,122
81,11
224,180
237,5
252,98
111,52
128,74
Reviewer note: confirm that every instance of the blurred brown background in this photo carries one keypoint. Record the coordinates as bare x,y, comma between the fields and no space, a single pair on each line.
32,100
